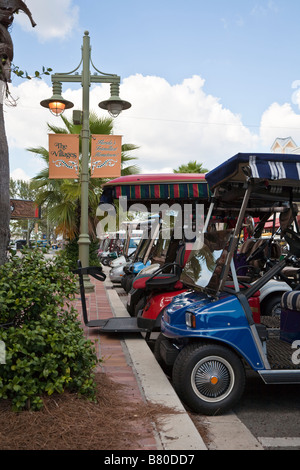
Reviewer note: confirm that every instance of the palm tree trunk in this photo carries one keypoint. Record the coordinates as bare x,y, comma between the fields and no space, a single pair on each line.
7,9
4,191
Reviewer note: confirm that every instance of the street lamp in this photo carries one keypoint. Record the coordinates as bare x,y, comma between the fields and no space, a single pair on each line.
114,105
57,104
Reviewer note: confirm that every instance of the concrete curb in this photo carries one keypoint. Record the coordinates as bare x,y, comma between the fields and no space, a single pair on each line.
227,432
178,431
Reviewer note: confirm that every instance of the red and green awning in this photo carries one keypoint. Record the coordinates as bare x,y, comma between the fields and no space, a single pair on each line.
163,191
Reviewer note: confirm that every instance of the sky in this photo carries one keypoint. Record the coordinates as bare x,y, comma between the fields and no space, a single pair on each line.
206,80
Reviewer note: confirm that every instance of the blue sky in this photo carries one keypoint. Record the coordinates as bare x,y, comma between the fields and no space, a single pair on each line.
206,79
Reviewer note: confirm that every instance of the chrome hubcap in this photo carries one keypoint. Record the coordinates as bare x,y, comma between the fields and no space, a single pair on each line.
212,379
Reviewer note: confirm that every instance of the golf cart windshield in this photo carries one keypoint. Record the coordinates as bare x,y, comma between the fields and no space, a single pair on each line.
204,267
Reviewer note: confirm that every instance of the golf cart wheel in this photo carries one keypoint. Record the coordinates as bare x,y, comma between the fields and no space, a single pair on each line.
128,285
209,378
123,281
166,368
271,307
140,306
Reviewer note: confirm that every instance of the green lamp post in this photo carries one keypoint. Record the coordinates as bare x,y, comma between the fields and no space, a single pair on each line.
114,105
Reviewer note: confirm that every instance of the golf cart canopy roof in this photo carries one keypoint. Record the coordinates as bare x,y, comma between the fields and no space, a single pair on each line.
152,188
259,166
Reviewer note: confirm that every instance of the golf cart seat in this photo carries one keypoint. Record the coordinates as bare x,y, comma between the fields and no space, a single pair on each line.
161,279
158,280
290,317
253,256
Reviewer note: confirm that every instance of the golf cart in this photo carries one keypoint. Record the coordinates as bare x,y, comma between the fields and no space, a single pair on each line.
147,190
114,249
151,228
154,297
208,335
168,254
132,237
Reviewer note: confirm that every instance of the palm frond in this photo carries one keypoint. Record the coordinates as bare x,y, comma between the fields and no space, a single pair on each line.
40,151
130,170
63,215
129,147
100,125
56,129
42,175
70,190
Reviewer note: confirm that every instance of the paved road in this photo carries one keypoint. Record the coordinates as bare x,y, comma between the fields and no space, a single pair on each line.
271,413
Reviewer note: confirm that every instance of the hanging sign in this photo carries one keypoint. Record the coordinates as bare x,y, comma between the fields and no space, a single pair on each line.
106,156
63,156
20,209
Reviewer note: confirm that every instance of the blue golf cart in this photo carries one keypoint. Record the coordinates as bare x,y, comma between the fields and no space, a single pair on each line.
209,337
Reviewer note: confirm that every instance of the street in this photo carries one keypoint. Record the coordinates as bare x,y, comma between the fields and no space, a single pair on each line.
271,413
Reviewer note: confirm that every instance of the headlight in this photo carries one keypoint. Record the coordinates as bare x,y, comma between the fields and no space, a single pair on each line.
190,320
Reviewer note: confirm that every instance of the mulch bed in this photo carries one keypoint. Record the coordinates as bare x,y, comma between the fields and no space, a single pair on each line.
68,422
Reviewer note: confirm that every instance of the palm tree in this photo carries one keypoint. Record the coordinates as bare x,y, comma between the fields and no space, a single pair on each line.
61,198
191,167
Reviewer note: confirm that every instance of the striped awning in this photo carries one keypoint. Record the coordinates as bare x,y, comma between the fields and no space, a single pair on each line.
153,192
164,191
273,167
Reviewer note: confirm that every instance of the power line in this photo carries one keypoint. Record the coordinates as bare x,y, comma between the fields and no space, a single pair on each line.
258,126
201,123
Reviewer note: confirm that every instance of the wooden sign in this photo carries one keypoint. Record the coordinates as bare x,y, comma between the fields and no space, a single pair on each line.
63,156
106,156
20,209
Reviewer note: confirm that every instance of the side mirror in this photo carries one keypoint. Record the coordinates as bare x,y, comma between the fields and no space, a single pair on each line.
249,225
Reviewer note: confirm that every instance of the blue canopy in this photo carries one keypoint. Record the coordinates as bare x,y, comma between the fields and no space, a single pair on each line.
269,166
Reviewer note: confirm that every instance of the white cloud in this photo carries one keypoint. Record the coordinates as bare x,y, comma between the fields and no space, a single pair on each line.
19,174
172,125
55,18
265,8
26,122
176,124
279,121
25,126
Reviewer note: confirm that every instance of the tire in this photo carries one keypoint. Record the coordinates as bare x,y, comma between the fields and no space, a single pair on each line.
130,306
166,368
209,378
140,306
271,306
123,281
136,296
128,284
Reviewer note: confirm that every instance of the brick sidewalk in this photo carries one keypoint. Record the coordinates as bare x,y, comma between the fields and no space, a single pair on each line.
116,364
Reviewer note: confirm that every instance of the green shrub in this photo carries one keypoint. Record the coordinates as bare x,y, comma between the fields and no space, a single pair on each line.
30,283
46,351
